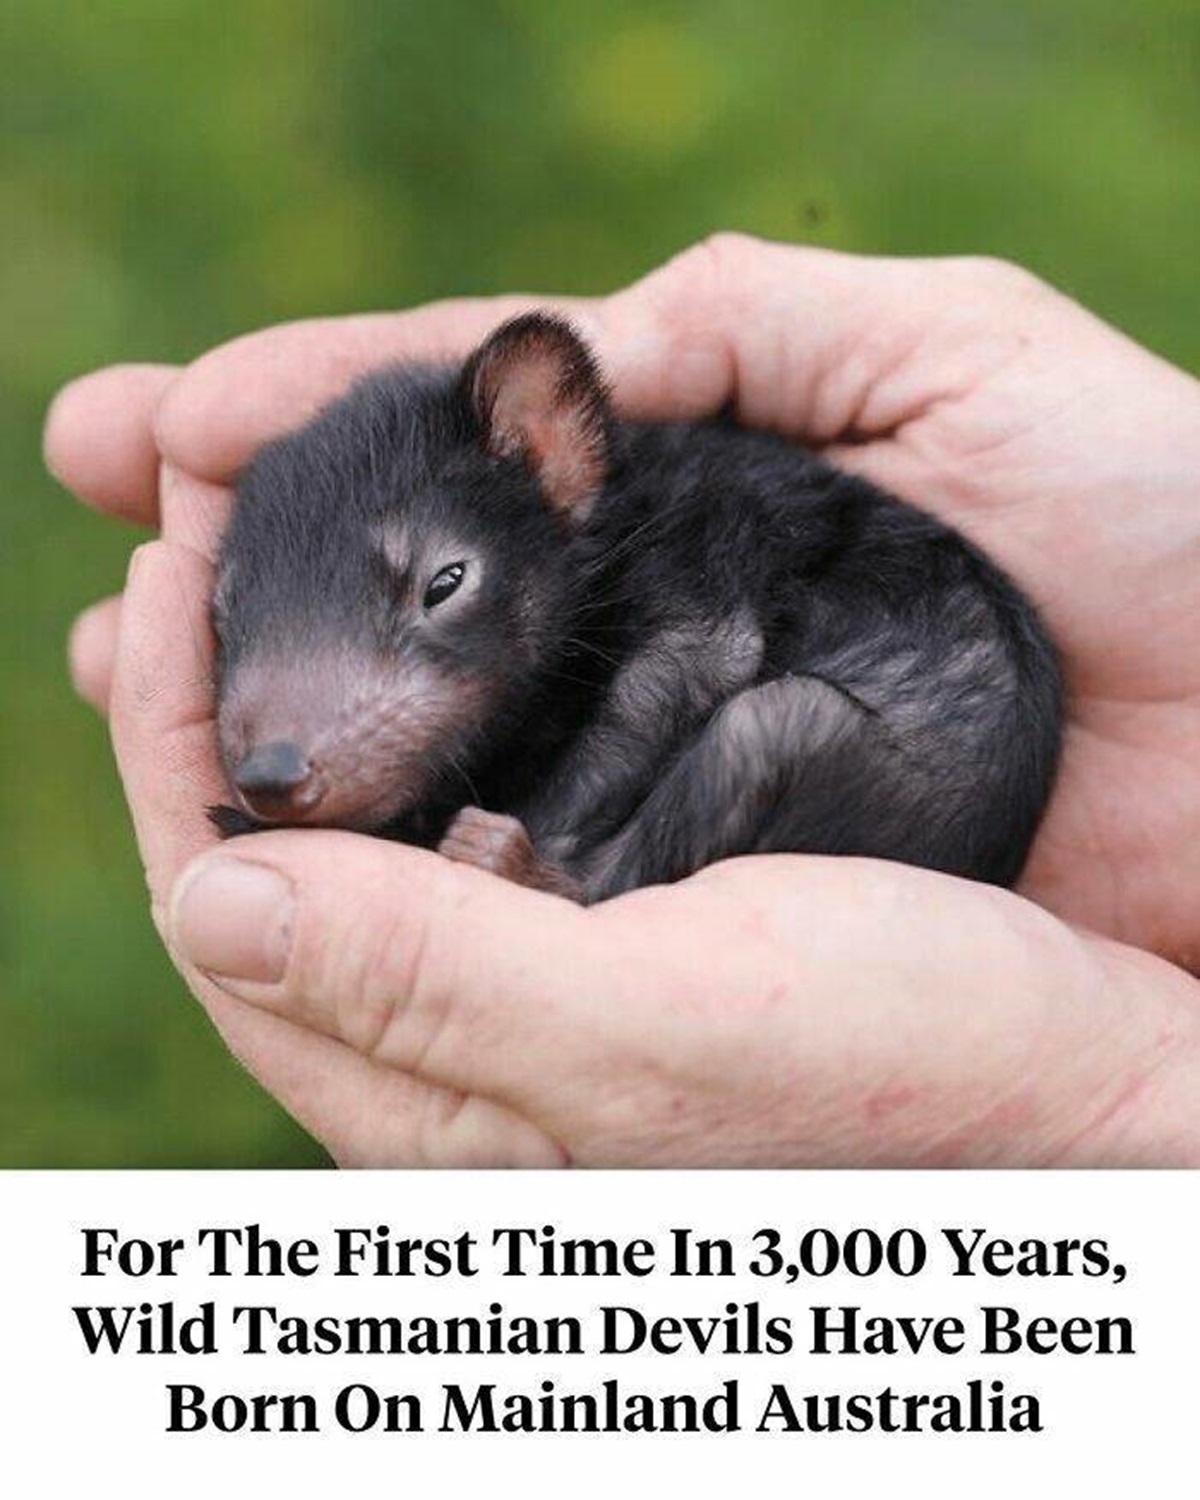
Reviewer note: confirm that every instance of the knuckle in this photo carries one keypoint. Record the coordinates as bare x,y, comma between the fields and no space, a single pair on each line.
141,556
170,420
366,972
138,682
711,266
995,274
392,981
726,246
692,307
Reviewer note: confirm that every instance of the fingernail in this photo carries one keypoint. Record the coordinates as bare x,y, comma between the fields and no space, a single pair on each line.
233,918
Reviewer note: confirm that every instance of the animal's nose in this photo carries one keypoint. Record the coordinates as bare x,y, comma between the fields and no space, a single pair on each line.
277,780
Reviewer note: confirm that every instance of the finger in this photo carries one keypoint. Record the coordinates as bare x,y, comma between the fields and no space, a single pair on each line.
163,702
798,339
812,343
92,649
235,398
432,967
194,512
367,1114
99,439
162,706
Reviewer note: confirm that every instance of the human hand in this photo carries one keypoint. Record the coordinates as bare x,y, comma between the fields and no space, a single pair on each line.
765,1012
1064,449
677,344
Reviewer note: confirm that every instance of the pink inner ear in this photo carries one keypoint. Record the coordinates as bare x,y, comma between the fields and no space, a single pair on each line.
555,424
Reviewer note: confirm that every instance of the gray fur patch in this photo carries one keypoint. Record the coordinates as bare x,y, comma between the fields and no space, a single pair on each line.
701,662
669,687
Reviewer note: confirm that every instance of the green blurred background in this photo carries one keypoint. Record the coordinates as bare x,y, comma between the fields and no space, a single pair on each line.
172,174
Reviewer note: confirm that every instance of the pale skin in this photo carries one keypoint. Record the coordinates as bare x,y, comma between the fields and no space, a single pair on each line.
410,1010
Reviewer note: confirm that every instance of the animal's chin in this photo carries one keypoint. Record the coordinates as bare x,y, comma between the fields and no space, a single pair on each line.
375,815
230,822
358,811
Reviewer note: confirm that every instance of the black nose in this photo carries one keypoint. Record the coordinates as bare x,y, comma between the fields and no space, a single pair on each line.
277,780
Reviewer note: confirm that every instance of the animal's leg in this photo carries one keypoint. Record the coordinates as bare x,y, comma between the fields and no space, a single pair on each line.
660,698
789,765
496,842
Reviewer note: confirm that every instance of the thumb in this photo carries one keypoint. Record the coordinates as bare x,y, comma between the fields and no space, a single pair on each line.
812,343
796,338
435,968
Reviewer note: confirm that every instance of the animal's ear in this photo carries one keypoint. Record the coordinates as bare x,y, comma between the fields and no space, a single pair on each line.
537,393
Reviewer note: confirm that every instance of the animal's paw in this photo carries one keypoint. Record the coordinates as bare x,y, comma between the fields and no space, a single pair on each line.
493,841
500,844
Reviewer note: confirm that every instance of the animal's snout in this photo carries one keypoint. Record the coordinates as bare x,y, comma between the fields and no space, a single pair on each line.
278,782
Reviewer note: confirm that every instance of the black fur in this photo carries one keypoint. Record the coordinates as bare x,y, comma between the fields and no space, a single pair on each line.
731,647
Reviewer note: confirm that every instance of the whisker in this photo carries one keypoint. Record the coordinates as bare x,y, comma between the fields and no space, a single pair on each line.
461,772
580,644
559,675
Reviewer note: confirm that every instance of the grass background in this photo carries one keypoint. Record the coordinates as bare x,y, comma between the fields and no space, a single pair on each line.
174,173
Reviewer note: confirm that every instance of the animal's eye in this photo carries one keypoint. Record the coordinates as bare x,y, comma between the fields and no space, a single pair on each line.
443,584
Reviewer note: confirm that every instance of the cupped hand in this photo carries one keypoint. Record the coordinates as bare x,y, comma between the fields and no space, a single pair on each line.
1064,449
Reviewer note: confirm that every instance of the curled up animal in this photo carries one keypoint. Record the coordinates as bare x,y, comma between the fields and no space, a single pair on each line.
471,608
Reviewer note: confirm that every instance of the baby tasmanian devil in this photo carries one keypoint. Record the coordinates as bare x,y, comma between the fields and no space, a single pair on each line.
469,608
